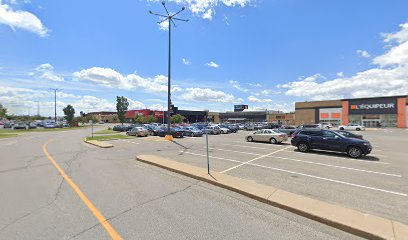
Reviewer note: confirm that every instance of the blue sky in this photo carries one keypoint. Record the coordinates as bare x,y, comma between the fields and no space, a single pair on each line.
267,54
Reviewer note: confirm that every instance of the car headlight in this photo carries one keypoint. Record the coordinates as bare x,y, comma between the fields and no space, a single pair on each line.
366,144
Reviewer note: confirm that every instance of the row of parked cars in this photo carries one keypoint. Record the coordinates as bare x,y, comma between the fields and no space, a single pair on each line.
34,124
193,130
306,139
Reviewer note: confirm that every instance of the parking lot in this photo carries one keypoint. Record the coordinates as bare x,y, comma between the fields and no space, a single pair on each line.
376,183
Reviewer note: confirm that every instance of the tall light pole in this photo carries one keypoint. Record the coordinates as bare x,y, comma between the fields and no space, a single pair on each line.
55,103
38,108
169,17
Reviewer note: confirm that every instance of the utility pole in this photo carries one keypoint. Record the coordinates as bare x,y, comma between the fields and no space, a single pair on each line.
169,17
55,103
38,108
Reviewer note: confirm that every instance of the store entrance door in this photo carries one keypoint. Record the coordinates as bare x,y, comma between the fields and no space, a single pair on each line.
371,123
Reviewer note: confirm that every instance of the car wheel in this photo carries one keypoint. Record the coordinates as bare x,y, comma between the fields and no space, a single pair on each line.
273,141
354,152
250,139
358,129
342,128
303,147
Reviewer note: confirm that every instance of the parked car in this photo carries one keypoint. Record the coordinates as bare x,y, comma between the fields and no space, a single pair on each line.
307,139
120,128
317,126
233,128
287,129
267,135
155,131
50,125
224,129
20,126
214,130
138,132
349,134
8,125
249,127
352,127
193,132
32,126
326,125
175,132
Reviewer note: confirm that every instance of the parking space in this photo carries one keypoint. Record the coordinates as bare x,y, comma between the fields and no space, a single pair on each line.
376,183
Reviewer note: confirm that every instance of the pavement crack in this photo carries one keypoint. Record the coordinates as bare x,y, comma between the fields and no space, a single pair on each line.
133,207
23,168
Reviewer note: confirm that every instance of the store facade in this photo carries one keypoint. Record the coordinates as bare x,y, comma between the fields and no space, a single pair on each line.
369,112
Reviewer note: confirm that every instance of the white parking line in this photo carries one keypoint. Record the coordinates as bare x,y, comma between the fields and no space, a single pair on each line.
234,145
342,158
306,175
266,155
129,141
227,150
336,166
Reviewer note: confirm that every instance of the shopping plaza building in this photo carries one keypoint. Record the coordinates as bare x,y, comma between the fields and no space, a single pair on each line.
370,112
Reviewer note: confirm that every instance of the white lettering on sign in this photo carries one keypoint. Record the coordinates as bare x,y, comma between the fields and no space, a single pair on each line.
373,106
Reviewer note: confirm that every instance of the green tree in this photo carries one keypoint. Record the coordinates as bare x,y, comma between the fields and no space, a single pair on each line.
122,105
3,111
150,119
139,119
177,118
69,113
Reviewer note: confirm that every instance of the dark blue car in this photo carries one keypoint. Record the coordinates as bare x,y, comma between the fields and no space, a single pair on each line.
307,139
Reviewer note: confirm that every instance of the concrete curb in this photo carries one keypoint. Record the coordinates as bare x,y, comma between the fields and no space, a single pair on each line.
348,220
99,143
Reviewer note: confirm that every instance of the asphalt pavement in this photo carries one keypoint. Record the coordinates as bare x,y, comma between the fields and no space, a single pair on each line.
375,184
138,201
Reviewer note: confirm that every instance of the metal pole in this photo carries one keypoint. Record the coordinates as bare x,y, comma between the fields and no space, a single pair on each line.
208,156
92,127
169,83
55,106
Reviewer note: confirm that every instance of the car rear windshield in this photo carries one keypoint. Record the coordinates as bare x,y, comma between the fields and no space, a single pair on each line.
311,133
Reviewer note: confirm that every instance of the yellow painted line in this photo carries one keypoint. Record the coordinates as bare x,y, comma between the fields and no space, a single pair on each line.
102,220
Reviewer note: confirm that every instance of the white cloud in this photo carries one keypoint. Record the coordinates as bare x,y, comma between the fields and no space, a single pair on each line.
208,95
21,19
237,86
158,107
206,8
255,85
267,92
46,71
259,100
212,64
164,25
377,81
363,53
23,101
110,78
340,74
186,61
398,54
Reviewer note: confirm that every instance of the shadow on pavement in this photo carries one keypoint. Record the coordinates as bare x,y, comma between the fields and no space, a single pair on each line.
338,154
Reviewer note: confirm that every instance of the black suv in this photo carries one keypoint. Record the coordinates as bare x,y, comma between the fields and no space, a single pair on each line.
307,139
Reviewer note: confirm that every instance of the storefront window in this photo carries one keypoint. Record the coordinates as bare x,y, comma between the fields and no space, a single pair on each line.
374,120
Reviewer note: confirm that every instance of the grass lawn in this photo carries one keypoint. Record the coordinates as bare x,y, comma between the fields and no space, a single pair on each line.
108,137
105,132
7,135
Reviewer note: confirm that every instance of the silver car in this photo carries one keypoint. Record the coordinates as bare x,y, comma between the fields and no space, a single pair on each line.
138,131
267,135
